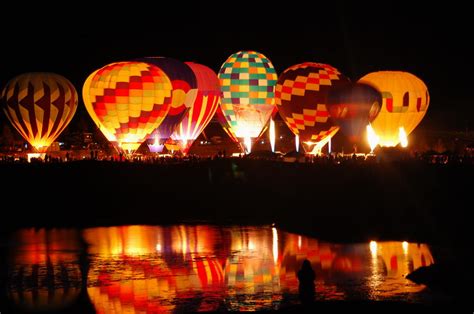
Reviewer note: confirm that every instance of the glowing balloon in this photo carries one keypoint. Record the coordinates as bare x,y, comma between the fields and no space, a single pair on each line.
127,100
39,106
248,82
301,96
404,104
352,107
203,108
184,93
225,124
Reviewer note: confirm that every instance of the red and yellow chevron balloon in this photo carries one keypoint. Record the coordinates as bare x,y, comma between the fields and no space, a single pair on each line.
405,100
39,106
203,108
127,100
301,96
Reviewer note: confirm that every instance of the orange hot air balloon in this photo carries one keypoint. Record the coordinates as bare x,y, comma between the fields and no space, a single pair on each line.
203,108
301,96
405,100
127,100
39,106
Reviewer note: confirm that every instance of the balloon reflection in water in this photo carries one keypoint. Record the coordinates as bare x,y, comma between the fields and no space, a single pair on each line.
205,268
251,273
149,269
393,261
44,274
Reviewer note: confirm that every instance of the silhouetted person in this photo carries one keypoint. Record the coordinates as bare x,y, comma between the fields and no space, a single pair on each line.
306,277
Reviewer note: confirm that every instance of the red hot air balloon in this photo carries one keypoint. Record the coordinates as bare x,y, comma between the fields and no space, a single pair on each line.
301,95
203,108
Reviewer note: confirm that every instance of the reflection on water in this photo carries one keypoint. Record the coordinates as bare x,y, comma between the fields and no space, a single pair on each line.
44,272
146,269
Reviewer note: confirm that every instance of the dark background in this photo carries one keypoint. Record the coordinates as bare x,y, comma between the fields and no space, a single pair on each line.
429,40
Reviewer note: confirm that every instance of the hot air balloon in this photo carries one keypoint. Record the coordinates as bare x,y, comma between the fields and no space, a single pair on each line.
127,100
301,95
352,107
248,82
203,108
405,100
225,125
184,93
39,106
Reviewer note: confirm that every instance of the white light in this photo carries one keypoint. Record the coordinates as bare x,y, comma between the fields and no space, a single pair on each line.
405,247
402,136
158,247
251,245
272,135
275,244
297,143
248,144
329,146
373,248
299,242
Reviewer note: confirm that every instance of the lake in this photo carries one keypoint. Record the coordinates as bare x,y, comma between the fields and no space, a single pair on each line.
176,268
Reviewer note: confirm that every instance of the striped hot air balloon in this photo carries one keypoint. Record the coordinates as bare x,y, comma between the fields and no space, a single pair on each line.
248,82
203,108
39,106
301,95
184,83
404,104
127,100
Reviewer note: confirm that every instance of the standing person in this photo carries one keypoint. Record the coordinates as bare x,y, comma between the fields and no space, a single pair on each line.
306,277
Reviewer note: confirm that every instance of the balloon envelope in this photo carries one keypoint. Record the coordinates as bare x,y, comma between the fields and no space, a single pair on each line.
248,82
301,95
127,100
184,93
203,108
39,106
405,100
352,107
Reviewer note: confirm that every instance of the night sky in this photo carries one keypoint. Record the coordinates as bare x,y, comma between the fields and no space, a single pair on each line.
430,42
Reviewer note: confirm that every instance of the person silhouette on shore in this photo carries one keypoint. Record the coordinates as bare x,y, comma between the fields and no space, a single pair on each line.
306,277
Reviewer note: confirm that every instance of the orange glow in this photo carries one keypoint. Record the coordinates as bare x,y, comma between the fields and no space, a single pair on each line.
372,138
38,256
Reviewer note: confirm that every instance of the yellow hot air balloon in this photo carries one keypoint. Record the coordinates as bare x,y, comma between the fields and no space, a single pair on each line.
404,104
39,106
127,100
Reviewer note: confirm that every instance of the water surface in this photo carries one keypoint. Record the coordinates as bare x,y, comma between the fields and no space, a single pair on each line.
146,269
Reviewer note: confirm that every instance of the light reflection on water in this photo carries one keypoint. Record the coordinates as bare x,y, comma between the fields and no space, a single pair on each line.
202,268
